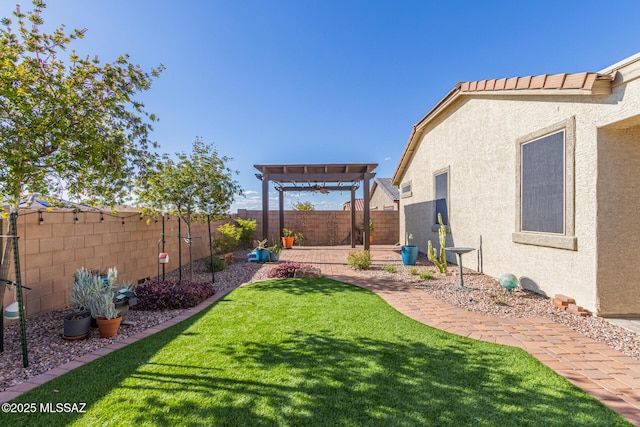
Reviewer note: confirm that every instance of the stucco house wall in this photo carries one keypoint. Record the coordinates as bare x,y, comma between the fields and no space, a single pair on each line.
476,137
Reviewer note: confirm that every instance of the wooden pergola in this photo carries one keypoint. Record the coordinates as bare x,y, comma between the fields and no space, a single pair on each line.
317,178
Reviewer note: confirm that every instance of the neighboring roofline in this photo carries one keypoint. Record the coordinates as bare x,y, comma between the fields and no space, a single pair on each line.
599,83
386,190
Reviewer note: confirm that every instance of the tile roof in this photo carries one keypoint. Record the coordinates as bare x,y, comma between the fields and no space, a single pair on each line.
346,206
386,186
587,83
595,83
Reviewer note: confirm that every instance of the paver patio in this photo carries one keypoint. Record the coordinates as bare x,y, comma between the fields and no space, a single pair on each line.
607,374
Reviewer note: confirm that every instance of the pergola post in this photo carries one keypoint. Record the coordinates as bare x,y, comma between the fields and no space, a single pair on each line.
365,226
281,208
265,206
353,217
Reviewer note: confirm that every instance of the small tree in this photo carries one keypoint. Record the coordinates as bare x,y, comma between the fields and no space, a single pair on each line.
303,206
192,187
67,125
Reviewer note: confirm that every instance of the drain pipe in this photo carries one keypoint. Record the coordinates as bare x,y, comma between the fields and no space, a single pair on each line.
480,256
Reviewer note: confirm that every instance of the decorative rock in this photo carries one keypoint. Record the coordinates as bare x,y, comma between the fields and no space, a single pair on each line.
508,281
309,273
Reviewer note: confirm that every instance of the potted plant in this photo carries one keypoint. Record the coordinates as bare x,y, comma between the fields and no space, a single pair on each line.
275,250
370,232
409,252
76,325
262,253
104,310
287,240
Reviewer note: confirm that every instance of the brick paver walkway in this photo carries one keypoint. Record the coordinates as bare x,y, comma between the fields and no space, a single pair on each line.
607,374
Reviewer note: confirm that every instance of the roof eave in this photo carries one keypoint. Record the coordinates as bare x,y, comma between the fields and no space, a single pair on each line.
416,132
597,84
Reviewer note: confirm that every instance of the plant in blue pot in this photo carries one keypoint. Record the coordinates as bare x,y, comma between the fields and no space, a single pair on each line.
262,252
409,252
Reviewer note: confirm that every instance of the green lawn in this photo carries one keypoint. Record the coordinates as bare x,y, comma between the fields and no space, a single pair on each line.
314,352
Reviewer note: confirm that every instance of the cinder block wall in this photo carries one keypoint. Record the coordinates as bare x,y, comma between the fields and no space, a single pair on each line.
328,228
51,251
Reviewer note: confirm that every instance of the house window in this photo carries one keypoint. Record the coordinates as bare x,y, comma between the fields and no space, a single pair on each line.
441,183
542,184
545,187
405,189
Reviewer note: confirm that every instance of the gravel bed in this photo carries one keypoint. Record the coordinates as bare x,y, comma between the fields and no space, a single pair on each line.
47,349
488,297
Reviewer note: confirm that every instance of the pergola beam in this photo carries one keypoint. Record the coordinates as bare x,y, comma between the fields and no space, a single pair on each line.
318,174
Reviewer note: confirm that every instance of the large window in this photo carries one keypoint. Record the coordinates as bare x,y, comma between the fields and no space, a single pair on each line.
542,184
441,189
545,187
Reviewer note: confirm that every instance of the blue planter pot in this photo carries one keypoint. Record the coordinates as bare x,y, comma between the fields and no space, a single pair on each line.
409,255
262,255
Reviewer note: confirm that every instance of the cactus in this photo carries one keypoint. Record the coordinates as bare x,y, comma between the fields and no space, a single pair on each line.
432,254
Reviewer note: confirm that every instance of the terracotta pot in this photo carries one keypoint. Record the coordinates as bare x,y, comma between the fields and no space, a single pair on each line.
287,242
108,327
371,240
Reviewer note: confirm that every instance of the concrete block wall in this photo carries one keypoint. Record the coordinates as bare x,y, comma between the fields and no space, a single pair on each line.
52,250
328,228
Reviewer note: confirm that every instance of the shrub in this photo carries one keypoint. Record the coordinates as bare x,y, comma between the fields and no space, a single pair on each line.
247,228
229,238
389,269
360,260
172,294
214,263
427,275
413,271
285,270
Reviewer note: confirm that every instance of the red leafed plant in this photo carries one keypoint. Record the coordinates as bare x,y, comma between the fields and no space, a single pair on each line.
285,270
155,295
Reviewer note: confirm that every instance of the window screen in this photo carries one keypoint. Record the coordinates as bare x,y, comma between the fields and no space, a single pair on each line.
543,184
441,197
405,189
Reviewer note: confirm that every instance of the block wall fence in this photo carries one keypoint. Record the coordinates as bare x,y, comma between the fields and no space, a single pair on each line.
329,228
52,250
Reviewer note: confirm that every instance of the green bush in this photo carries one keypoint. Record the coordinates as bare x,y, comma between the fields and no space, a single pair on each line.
360,260
427,275
229,238
247,229
413,271
216,264
389,269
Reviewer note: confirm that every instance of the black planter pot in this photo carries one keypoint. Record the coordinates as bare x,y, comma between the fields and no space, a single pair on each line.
76,324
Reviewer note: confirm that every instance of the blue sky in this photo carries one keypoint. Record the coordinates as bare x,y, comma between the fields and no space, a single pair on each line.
328,81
